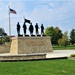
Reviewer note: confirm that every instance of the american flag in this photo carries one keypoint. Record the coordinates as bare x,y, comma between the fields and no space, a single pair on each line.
13,11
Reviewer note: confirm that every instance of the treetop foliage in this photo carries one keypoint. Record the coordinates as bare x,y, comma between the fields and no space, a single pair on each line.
2,32
54,33
72,36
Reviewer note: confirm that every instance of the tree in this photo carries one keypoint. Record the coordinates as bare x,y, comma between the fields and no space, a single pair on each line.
72,36
64,40
2,32
49,31
57,35
54,33
6,39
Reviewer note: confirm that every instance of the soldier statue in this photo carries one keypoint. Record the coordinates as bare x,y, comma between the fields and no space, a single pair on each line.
18,28
36,28
31,29
42,29
24,28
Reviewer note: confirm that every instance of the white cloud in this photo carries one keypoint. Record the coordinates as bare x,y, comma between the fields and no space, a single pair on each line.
41,14
61,14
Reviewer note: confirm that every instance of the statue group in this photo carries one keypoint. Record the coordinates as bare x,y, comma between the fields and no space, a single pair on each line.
31,29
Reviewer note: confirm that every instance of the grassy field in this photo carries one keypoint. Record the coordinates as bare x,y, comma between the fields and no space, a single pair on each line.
69,47
43,67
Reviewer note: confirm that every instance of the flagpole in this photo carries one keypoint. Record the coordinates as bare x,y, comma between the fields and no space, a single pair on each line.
9,23
24,18
9,27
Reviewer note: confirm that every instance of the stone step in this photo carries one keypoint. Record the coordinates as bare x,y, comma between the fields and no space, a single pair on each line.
21,57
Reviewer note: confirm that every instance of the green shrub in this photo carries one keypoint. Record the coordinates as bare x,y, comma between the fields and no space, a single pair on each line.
72,55
6,39
1,42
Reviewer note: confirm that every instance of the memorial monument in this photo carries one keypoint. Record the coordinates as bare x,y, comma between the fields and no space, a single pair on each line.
29,47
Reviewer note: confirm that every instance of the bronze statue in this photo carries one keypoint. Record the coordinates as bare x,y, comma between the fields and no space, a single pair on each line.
18,28
24,28
31,29
36,28
42,29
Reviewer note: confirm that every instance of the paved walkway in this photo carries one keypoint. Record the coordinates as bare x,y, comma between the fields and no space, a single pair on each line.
60,53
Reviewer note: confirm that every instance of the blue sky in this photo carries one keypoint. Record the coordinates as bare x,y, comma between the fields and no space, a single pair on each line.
56,13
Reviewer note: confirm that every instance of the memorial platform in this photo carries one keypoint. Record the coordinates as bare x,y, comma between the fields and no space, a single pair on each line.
30,45
56,54
22,57
28,48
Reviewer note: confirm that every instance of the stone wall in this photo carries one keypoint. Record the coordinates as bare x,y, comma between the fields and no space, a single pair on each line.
28,45
14,46
22,57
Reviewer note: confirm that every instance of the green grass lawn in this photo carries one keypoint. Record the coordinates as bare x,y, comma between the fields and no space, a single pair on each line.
43,67
69,47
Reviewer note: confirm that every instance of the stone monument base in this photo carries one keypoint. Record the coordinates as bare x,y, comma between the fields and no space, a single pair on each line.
22,57
30,45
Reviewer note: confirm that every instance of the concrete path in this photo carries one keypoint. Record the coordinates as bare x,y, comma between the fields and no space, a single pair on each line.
60,53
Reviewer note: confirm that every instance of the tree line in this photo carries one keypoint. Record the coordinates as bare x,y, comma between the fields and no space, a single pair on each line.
59,38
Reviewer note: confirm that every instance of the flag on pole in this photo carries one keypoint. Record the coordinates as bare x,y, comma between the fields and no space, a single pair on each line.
12,11
28,21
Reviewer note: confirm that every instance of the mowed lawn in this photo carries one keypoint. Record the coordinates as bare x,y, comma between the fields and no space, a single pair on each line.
69,47
42,67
